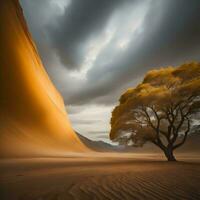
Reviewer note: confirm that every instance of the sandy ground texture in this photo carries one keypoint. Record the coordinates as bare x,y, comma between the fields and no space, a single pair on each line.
101,176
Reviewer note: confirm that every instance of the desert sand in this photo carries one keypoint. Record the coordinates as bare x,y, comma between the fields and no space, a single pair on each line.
101,176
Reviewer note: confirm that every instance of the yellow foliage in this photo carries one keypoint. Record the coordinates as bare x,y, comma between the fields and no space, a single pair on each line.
160,88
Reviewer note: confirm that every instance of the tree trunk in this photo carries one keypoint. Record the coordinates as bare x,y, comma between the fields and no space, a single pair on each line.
169,154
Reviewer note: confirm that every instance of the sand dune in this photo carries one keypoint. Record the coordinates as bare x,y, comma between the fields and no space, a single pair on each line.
33,121
100,176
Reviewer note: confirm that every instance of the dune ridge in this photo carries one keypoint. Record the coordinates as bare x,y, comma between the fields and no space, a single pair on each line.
32,112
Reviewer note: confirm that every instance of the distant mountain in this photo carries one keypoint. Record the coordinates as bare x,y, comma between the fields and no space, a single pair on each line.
192,145
99,146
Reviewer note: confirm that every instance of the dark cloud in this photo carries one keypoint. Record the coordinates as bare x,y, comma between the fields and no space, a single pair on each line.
81,20
39,14
170,36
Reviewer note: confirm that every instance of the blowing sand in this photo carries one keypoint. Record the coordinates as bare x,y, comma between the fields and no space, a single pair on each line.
99,177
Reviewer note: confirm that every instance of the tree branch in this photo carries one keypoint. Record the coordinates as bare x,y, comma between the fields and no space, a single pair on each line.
185,136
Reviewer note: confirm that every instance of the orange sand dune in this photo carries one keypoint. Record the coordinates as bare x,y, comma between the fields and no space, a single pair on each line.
33,120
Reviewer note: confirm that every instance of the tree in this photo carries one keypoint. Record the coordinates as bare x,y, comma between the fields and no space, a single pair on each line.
161,109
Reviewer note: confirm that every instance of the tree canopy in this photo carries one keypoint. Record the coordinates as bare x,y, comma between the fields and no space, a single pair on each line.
161,109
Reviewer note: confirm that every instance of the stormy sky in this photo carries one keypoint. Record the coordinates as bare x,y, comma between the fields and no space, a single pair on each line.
93,50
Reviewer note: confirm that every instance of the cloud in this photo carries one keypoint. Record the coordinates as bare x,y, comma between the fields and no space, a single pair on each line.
81,21
91,119
86,121
167,37
113,48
